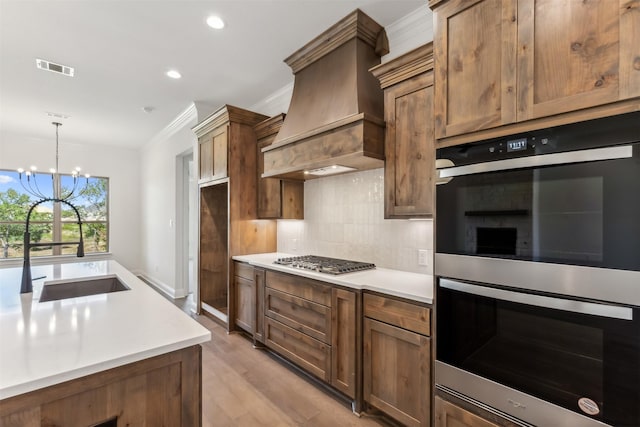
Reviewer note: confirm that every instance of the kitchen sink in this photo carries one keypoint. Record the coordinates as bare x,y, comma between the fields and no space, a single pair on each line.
81,287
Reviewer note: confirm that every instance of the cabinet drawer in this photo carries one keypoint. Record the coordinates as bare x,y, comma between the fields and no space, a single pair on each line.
297,313
312,355
243,270
403,314
308,289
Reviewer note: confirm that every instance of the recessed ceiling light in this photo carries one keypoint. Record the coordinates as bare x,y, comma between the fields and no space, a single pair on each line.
215,22
174,74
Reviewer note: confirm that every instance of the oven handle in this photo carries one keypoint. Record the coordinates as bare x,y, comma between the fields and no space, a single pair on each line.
591,155
591,308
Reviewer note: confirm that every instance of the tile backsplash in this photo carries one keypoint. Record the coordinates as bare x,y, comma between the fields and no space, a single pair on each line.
344,218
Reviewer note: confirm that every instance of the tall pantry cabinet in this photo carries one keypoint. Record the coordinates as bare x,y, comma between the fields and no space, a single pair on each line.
228,223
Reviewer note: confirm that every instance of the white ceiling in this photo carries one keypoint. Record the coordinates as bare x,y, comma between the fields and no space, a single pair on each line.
121,50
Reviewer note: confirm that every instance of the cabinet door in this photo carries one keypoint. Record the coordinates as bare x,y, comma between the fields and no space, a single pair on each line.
213,154
475,58
397,377
409,151
576,54
269,189
245,303
343,341
449,415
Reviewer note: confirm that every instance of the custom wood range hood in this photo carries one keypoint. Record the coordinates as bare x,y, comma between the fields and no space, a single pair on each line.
336,111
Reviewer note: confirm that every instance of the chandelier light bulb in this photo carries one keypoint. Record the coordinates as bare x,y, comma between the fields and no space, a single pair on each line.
60,193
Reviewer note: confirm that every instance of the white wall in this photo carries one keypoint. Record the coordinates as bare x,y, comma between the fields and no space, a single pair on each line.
120,165
160,235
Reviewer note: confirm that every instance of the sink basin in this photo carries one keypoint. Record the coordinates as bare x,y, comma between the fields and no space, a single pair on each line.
81,287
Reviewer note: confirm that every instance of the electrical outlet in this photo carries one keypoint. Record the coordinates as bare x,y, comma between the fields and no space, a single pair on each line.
423,257
294,244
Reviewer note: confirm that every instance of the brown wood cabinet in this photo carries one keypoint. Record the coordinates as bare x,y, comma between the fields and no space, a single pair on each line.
277,198
397,358
163,390
314,324
213,154
409,136
246,297
501,62
228,209
450,415
451,411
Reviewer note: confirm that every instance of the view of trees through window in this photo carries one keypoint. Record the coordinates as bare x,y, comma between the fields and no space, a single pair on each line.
52,222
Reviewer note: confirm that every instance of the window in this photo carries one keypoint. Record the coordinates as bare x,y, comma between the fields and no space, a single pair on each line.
53,222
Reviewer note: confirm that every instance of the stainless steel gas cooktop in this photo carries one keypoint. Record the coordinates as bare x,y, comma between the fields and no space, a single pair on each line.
324,264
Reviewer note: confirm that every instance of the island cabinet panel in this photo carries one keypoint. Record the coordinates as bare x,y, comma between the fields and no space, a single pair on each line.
505,66
475,74
397,359
163,390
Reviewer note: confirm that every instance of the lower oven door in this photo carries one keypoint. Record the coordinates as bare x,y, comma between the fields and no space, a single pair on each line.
543,359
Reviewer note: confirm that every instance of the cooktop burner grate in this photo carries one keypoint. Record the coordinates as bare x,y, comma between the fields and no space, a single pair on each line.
324,264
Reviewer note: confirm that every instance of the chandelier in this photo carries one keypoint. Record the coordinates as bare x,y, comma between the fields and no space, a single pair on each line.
29,180
60,195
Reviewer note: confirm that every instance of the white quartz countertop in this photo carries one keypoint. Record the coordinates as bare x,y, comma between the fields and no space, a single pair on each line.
43,344
413,286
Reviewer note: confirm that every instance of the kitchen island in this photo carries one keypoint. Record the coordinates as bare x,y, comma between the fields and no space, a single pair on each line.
128,356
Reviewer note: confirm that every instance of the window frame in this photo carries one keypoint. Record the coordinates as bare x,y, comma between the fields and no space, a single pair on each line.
58,222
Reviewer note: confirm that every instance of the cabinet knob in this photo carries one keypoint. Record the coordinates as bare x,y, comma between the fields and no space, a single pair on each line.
418,156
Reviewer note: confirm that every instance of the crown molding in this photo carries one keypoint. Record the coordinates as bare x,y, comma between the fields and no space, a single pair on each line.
407,33
184,119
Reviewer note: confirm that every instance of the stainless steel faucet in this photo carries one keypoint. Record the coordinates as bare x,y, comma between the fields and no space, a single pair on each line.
27,283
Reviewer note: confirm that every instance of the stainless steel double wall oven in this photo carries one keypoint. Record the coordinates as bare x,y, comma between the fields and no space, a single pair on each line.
538,265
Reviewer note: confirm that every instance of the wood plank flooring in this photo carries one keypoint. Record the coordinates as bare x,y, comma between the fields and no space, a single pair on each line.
243,386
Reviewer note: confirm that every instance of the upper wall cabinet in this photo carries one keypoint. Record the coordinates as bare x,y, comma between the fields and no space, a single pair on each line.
277,198
409,150
501,62
214,136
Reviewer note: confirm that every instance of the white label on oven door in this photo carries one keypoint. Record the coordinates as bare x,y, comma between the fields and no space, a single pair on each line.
588,406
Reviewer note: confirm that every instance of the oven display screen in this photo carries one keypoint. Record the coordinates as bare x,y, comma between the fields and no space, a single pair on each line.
517,145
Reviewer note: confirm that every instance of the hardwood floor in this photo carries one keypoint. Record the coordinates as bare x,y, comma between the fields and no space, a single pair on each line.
243,386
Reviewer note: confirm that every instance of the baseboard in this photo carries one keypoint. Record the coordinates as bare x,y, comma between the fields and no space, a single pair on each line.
159,285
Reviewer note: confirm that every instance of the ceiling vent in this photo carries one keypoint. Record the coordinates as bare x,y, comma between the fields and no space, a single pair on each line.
56,68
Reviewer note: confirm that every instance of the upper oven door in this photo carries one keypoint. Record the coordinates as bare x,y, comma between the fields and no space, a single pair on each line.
554,200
